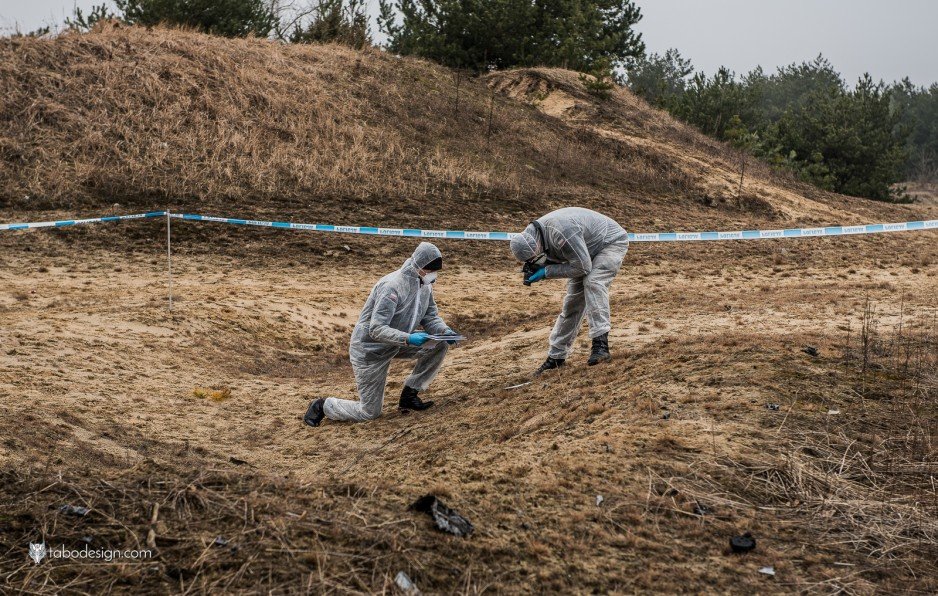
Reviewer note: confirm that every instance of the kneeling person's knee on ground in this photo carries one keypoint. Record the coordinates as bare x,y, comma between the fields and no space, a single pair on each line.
399,304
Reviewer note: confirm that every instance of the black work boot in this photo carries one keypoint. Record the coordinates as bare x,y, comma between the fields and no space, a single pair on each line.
410,401
600,352
549,364
315,413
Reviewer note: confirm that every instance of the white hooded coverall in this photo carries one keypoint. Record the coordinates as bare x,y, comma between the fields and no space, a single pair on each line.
587,248
398,304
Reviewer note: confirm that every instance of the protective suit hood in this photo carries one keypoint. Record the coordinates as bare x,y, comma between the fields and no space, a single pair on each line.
525,245
424,254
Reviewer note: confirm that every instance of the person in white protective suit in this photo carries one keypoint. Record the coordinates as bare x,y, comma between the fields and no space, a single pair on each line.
587,249
398,304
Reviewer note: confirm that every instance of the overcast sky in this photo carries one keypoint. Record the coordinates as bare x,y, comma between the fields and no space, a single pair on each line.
888,39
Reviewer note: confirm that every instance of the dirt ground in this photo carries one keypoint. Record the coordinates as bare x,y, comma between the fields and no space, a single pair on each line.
587,480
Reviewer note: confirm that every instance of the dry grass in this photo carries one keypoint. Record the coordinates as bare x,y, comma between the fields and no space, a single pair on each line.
837,502
212,393
170,117
923,192
213,531
161,118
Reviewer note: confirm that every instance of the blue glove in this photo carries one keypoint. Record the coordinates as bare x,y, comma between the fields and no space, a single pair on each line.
417,339
538,275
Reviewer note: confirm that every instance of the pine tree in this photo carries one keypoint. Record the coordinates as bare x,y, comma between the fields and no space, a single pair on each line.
488,34
919,111
660,79
230,18
331,21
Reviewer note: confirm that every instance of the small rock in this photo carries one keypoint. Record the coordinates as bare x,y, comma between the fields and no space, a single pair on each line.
406,584
599,500
742,544
810,351
773,407
833,412
220,541
767,570
75,510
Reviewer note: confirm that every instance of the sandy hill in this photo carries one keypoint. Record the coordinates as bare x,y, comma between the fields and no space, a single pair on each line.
154,117
181,431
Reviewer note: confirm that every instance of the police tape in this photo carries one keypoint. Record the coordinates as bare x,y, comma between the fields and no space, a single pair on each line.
74,222
366,230
652,237
827,231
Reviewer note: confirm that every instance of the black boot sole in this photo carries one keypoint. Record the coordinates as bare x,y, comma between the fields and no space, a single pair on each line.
598,360
541,371
408,410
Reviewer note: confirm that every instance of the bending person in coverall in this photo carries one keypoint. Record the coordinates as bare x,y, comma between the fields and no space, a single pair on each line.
399,303
587,248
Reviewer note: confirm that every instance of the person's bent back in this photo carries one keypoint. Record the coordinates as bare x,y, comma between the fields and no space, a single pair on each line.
586,248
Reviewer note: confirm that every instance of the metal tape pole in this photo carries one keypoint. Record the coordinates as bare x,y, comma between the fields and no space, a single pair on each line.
169,258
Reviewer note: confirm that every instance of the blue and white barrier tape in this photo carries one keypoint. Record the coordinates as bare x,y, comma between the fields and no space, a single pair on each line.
371,231
655,237
74,222
882,228
469,235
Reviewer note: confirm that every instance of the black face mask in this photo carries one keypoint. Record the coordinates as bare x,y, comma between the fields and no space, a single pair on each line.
434,265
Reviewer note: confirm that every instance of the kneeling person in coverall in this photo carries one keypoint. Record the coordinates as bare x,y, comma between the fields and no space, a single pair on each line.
399,303
587,248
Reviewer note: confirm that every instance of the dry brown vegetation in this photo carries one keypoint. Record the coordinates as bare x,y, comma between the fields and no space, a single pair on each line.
923,192
177,429
168,118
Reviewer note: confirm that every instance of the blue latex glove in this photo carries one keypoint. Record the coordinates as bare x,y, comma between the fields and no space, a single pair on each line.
417,339
539,275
